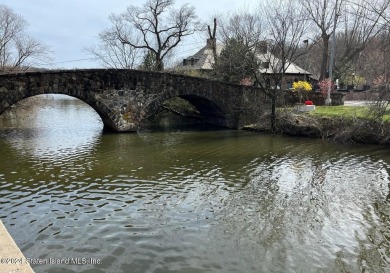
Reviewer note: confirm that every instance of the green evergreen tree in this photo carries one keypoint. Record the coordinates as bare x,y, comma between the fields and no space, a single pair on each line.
149,62
235,63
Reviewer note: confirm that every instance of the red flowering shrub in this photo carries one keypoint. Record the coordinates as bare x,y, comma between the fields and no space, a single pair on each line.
324,86
381,82
308,102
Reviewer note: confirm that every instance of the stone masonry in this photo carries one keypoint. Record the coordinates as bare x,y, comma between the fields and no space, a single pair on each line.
123,98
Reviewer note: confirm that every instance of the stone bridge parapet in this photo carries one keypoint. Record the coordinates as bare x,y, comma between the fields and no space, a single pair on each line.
123,98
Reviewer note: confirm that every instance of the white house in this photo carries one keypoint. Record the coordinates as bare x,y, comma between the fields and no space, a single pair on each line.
203,60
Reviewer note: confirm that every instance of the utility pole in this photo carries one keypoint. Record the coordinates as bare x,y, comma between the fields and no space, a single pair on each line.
328,100
307,49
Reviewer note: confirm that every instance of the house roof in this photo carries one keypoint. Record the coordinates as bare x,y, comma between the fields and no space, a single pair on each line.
203,60
274,65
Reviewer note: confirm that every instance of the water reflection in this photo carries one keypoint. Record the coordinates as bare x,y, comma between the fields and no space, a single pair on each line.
193,201
309,213
52,127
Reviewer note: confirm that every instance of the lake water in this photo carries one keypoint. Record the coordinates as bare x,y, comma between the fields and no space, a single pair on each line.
187,200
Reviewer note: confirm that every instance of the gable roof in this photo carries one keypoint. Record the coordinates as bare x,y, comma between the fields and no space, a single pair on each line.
274,64
203,60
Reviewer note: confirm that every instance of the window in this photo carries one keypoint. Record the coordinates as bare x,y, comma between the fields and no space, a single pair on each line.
194,60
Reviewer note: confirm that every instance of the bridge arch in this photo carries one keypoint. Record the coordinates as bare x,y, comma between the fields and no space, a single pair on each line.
103,119
211,112
104,112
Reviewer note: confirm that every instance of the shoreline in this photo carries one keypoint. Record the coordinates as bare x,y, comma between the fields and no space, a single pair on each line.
12,259
336,129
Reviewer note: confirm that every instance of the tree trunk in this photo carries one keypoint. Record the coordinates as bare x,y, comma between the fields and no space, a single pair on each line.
160,66
159,63
273,113
325,55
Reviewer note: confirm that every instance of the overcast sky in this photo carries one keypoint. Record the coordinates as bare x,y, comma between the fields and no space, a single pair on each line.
67,27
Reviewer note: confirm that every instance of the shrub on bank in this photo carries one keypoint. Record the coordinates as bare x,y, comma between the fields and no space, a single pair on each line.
302,88
339,129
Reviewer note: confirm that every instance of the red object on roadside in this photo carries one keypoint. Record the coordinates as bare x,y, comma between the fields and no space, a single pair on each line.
308,102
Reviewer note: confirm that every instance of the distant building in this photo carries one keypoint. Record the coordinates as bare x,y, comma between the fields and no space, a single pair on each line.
203,60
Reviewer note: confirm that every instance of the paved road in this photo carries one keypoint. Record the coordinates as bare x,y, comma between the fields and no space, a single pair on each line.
355,103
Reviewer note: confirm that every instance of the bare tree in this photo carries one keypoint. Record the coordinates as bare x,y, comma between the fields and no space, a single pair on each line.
112,52
241,33
357,23
362,23
274,34
379,64
17,49
243,26
375,58
160,26
284,27
322,13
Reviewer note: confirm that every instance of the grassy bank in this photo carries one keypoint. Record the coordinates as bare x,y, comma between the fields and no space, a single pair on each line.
336,123
361,112
344,111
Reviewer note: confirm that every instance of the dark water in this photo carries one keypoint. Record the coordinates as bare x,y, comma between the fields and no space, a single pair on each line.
188,201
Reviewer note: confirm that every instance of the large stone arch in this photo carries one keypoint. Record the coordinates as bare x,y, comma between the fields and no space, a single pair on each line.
17,87
101,109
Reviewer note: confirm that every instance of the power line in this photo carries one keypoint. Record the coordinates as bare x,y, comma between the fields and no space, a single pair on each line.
195,43
97,59
73,61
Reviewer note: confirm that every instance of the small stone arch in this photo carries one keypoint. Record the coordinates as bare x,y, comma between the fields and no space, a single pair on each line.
211,111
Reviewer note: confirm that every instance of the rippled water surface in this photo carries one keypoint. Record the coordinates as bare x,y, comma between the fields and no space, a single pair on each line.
188,201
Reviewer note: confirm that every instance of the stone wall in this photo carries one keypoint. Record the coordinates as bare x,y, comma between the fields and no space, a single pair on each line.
255,104
290,98
362,95
318,99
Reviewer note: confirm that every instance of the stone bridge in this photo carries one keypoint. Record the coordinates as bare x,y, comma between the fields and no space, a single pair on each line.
124,98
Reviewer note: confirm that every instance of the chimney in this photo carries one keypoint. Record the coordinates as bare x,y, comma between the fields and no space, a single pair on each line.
211,42
263,47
